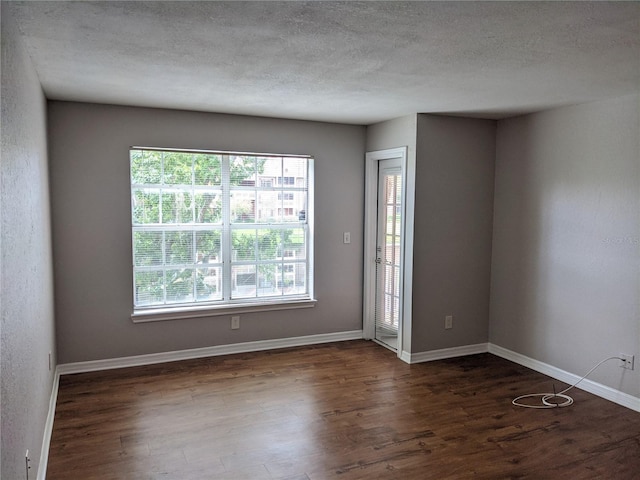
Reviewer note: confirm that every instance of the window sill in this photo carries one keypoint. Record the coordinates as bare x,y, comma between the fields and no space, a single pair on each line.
178,313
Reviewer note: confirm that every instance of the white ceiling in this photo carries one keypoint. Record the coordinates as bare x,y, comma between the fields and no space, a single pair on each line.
351,62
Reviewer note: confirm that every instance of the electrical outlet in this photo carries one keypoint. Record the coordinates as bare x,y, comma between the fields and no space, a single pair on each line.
626,361
448,322
235,323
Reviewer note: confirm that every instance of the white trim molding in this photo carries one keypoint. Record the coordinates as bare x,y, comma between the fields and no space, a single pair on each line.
153,358
370,229
48,428
569,378
162,314
444,353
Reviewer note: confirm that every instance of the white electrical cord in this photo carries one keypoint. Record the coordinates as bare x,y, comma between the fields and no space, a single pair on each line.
545,398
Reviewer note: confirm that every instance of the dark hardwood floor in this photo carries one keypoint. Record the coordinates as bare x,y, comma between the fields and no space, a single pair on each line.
348,410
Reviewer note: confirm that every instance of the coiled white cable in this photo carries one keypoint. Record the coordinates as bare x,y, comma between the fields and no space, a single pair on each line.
545,398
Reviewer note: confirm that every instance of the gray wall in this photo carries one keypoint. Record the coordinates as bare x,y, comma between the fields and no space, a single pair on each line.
27,288
453,225
454,160
92,238
566,245
398,132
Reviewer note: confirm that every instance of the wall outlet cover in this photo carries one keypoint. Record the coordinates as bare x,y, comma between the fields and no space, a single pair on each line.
448,322
626,361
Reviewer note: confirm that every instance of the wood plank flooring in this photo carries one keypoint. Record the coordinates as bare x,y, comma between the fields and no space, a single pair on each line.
348,410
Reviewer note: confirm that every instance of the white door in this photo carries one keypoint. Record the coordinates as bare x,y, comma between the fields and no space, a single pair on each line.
389,240
388,249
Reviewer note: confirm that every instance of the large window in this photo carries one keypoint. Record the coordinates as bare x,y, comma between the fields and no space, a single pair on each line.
219,228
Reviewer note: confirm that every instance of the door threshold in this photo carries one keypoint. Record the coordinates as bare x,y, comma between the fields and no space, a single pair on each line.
388,347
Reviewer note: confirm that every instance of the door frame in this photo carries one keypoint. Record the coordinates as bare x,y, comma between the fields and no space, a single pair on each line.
370,239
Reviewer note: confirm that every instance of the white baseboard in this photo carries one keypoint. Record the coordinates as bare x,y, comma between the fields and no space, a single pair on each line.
152,358
587,385
443,353
48,429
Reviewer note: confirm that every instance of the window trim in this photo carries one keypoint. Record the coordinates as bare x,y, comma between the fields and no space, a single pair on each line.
181,312
143,314
223,152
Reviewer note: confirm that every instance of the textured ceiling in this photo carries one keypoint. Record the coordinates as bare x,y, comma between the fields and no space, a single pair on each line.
352,62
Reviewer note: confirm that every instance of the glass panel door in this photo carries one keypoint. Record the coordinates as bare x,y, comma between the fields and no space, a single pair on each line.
389,253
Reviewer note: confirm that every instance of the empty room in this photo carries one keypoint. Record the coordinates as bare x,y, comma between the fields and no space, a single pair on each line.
320,240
